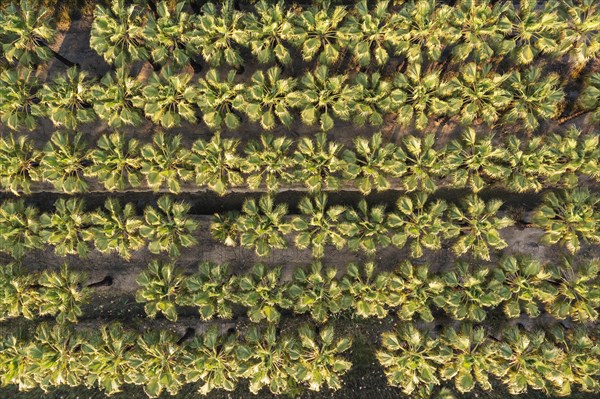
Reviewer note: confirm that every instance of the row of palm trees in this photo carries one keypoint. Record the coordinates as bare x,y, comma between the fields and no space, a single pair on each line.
517,286
416,30
114,228
112,356
415,98
371,33
270,163
568,218
556,361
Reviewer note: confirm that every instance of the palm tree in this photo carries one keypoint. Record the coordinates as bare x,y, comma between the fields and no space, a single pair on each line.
259,292
589,98
168,227
218,100
365,229
534,97
218,32
411,289
158,363
261,225
68,99
318,292
475,162
269,26
372,164
320,161
210,290
225,228
168,34
373,99
104,355
372,35
116,162
534,31
67,227
267,98
54,354
321,96
166,161
411,358
530,165
580,365
568,217
15,360
467,293
118,33
522,282
19,228
421,162
481,94
212,360
270,160
319,361
526,360
425,30
575,156
578,290
65,162
477,224
425,226
116,229
484,26
579,33
18,294
470,363
168,97
114,99
18,164
317,32
317,226
264,359
27,29
20,103
217,163
420,96
160,286
62,294
369,291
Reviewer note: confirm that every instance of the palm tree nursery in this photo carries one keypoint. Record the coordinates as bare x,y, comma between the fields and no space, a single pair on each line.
300,199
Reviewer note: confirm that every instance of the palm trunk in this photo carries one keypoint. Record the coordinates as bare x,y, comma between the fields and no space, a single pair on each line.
572,116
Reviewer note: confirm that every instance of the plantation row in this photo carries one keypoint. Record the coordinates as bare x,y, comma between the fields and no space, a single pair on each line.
114,229
160,361
517,285
476,94
568,218
219,164
422,30
555,361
